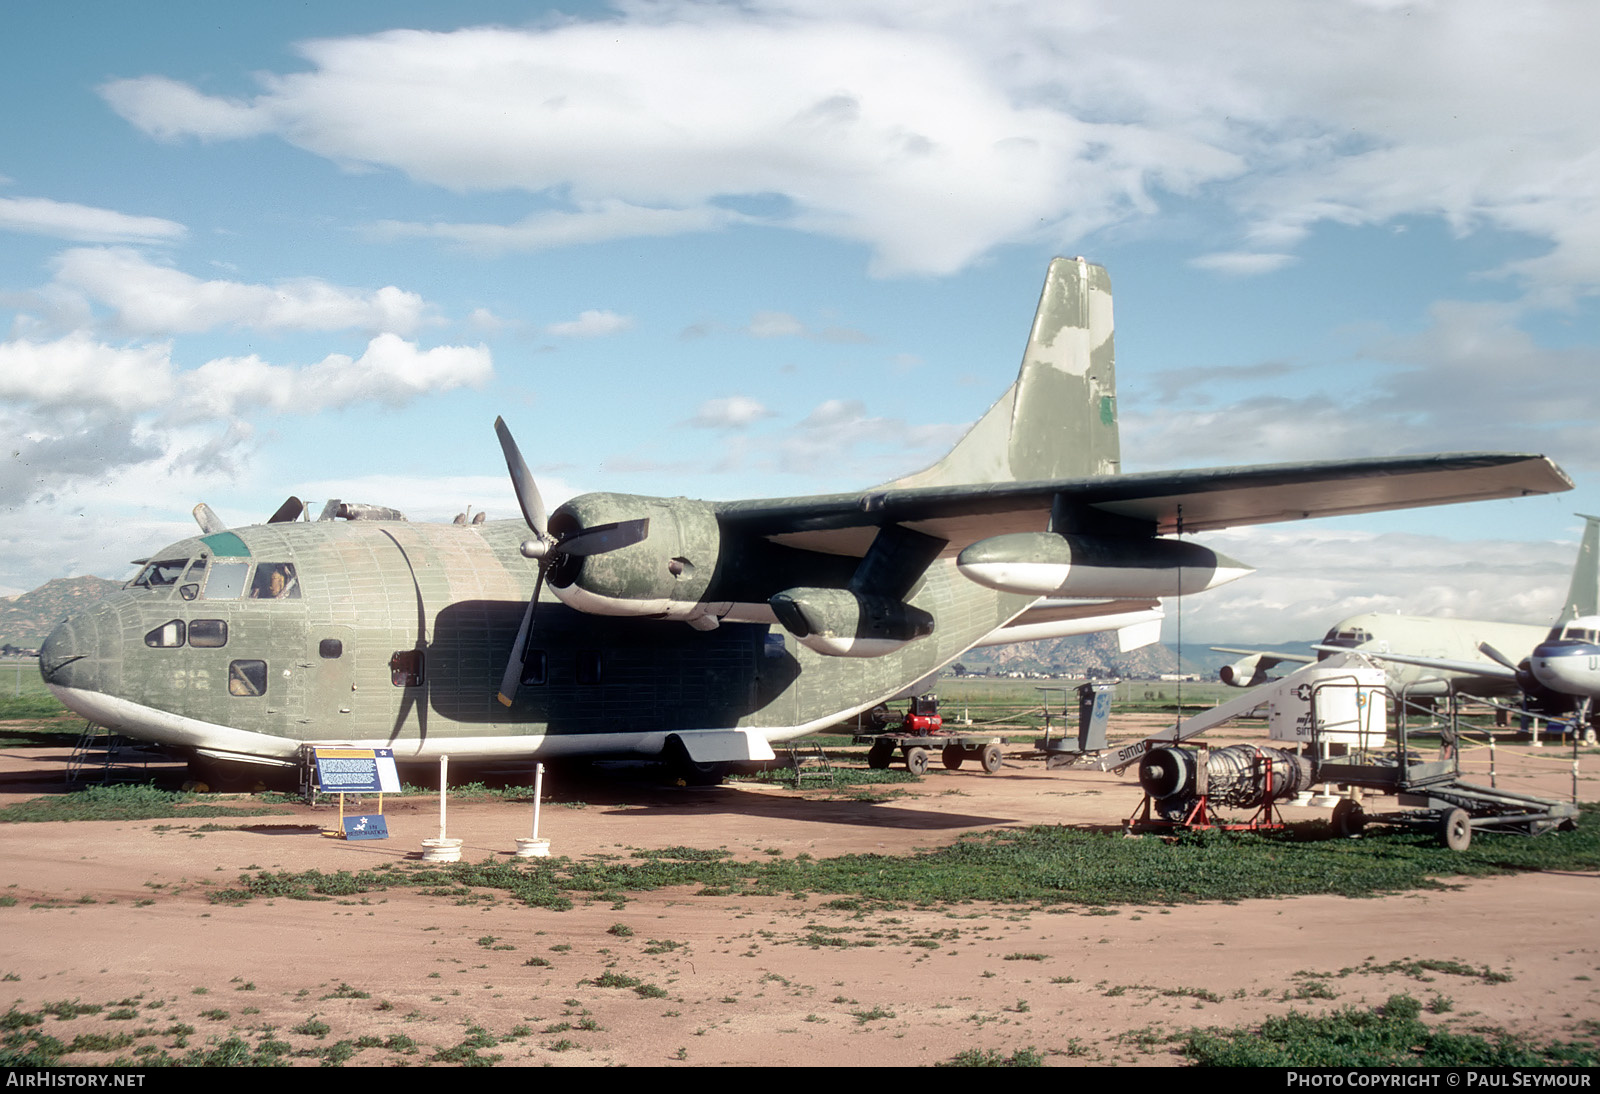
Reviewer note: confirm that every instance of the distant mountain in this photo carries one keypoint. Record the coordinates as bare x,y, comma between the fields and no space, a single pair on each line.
25,620
1084,655
1098,655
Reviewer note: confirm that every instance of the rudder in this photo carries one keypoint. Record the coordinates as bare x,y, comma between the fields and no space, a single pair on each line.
1059,419
1583,595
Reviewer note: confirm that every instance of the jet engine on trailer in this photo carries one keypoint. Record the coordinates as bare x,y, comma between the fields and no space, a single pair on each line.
1242,776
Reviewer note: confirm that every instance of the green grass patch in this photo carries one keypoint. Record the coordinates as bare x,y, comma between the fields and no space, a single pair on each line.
982,1057
1040,865
24,695
131,802
843,775
1393,1035
39,728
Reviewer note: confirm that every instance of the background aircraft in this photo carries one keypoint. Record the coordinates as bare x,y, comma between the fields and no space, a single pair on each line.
1431,655
694,631
1560,675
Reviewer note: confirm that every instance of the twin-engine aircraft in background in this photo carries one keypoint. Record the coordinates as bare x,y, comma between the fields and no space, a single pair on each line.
694,631
1427,657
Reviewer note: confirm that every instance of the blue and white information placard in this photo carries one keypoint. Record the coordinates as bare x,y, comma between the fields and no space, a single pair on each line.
357,771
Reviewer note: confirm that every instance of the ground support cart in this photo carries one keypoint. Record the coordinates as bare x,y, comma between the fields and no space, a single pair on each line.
1440,802
954,749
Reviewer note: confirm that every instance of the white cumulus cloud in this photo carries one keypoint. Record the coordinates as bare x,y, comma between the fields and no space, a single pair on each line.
80,411
84,223
935,132
151,299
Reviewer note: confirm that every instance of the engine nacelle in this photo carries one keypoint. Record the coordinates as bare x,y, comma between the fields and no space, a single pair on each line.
841,623
665,574
1047,564
1248,672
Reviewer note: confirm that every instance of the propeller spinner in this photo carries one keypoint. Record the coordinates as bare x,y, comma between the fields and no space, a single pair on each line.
550,550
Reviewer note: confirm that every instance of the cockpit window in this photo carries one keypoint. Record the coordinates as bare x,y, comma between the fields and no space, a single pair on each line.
1354,636
275,581
226,581
191,580
159,575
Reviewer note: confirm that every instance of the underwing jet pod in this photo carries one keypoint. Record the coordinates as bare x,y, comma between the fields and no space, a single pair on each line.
695,631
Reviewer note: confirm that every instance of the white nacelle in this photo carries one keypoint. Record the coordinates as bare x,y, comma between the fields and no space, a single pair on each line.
1047,564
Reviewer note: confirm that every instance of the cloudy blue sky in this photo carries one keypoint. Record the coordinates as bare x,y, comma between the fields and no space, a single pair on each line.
774,248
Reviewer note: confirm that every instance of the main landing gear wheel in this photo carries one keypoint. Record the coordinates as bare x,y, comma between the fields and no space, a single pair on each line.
917,761
1455,830
952,756
690,772
879,754
1349,819
991,758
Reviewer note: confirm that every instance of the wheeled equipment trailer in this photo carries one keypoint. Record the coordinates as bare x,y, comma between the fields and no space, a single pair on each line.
1439,801
921,732
954,749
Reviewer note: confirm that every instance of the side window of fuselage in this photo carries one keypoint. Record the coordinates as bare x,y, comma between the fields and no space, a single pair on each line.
167,636
405,668
208,634
535,667
247,678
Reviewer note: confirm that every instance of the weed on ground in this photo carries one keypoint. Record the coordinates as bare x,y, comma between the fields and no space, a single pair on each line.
1393,1035
1037,866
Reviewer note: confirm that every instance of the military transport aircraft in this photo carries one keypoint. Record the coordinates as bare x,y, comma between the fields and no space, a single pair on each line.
693,631
1429,656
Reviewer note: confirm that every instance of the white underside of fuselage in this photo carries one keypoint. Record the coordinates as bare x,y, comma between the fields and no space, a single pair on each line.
221,742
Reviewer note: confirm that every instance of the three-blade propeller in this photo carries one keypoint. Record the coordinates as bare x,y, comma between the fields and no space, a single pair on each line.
550,549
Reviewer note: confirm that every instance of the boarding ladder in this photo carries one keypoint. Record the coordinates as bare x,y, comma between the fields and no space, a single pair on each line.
103,757
809,762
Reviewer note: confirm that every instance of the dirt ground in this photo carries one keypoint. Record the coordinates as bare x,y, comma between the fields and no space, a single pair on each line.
117,914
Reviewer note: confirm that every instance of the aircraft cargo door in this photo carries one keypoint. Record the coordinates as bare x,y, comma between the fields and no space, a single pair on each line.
330,668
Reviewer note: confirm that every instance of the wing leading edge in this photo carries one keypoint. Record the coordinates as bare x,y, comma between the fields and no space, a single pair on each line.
1155,502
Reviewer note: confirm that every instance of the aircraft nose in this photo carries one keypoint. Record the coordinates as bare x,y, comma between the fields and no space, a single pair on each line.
65,658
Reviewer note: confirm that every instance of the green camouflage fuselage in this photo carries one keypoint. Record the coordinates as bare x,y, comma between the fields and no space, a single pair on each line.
370,590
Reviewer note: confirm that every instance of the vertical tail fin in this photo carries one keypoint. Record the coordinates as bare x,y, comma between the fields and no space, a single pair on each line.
1059,420
1583,595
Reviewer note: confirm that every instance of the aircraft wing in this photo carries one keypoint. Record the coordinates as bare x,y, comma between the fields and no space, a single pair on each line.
1270,659
1487,669
1137,622
1204,499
